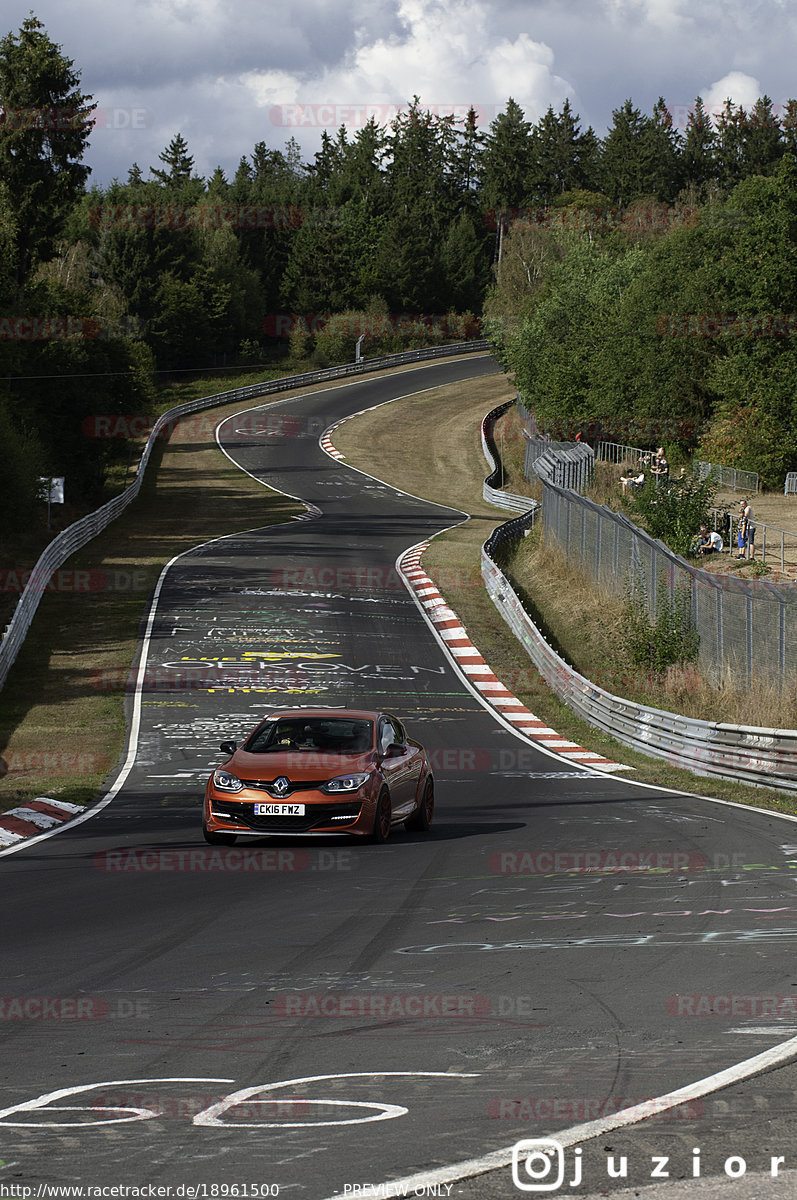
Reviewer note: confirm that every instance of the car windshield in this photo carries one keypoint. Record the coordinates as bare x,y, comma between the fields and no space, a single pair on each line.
303,734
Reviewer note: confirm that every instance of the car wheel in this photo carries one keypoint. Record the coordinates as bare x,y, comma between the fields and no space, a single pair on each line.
421,819
218,839
382,817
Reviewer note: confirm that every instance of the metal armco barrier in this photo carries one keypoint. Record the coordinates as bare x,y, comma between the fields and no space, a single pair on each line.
491,493
567,464
730,477
78,535
745,753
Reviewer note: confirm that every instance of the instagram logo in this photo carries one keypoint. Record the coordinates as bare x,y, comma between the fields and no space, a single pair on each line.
534,1161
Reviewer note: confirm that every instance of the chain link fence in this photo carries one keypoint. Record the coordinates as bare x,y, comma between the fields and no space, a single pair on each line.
745,626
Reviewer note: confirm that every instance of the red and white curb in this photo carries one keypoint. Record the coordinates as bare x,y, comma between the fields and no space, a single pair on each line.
40,814
325,441
479,674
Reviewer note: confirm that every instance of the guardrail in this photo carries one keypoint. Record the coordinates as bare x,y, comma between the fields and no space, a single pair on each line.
76,536
492,493
730,477
616,452
745,753
568,466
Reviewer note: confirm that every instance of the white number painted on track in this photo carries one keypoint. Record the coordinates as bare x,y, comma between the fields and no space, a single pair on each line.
43,1102
211,1116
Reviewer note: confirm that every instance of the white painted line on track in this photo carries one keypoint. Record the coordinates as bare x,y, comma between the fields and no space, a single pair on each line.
43,1102
10,841
210,1116
497,1159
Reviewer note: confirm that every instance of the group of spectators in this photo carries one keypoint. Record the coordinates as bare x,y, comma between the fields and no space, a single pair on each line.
656,464
710,541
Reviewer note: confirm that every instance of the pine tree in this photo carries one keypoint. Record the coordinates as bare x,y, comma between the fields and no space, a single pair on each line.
563,156
628,158
697,157
44,131
763,142
789,127
179,162
507,159
731,137
467,157
662,150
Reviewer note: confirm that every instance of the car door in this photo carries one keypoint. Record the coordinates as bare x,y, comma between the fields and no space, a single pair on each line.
398,770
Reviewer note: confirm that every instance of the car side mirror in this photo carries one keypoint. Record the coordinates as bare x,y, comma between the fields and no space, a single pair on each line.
229,747
394,750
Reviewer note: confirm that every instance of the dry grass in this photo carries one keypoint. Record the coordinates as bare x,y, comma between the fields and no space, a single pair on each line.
587,625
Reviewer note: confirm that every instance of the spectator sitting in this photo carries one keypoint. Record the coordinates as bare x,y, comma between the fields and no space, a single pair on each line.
660,468
708,543
630,482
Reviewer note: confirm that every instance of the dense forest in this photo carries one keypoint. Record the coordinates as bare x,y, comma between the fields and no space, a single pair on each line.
576,250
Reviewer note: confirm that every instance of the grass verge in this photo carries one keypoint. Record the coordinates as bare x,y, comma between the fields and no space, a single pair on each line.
449,468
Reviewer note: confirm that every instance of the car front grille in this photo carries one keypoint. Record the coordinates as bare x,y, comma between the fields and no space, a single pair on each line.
316,816
298,785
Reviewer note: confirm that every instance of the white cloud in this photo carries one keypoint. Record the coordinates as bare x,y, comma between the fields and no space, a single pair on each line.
222,74
736,86
450,54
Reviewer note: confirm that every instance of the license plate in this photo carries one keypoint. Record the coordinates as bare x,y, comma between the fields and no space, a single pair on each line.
279,810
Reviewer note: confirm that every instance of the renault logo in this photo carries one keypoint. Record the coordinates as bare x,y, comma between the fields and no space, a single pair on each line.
281,786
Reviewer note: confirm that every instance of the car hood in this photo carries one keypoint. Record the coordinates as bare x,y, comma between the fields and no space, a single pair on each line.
297,765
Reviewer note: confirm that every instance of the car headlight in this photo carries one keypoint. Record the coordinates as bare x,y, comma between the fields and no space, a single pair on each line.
226,782
345,783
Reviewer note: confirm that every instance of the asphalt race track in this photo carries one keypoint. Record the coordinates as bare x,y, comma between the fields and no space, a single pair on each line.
314,1016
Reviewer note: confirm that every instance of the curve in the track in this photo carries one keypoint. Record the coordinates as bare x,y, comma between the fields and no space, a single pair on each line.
320,1015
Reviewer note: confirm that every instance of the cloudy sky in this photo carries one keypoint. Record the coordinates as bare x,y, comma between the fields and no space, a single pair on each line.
227,75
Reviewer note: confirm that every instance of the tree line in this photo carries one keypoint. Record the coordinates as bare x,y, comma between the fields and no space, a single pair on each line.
103,288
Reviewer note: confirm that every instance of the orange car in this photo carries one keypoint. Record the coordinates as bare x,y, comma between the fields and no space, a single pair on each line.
313,771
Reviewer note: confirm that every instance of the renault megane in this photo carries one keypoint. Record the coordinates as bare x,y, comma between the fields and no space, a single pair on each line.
320,771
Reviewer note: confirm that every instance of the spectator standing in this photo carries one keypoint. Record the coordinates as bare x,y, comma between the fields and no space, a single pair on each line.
660,468
746,539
